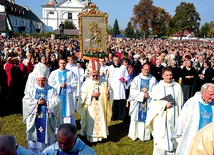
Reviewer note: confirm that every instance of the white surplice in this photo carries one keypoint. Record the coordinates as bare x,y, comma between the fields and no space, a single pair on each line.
115,73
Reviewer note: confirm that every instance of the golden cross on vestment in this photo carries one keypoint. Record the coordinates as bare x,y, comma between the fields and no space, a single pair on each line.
40,115
143,105
40,129
144,89
63,79
41,95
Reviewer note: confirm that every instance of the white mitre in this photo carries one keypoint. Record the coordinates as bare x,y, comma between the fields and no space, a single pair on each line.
41,71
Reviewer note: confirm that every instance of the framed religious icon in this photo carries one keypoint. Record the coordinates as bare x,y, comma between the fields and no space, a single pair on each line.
92,32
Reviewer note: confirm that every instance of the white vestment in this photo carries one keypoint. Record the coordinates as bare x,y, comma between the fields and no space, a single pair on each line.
81,71
161,121
187,124
136,128
203,142
31,81
103,71
115,73
75,70
71,83
30,113
95,113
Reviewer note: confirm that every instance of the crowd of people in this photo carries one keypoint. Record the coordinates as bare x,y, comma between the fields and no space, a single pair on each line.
165,86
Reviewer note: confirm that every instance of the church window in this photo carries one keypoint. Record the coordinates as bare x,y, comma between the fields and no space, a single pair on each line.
69,15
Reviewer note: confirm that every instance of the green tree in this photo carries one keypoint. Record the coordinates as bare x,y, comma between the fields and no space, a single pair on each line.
109,30
138,34
69,24
143,15
186,18
116,29
160,22
210,33
204,30
129,31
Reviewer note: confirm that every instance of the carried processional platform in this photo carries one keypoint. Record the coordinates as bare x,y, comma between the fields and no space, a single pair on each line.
93,32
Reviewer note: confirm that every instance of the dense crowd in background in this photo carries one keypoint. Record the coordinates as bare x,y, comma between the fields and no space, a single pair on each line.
20,55
124,78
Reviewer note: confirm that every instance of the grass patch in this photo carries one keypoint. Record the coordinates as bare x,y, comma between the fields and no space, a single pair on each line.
117,143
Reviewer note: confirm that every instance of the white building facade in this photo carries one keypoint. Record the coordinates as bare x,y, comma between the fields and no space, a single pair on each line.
18,19
53,13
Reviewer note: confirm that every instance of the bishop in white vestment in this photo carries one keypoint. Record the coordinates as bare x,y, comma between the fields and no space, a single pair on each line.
41,112
95,107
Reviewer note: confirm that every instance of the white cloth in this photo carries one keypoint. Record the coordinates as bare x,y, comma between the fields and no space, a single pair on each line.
71,83
103,71
115,73
203,142
75,70
53,119
187,124
136,128
31,81
87,74
161,121
79,147
81,71
95,114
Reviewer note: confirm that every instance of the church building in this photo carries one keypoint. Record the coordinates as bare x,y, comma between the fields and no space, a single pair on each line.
14,17
54,13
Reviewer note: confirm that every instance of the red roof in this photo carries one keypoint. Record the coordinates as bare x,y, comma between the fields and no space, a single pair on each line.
179,34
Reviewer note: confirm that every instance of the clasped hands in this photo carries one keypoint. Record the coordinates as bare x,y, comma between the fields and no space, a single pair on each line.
97,94
63,85
41,101
146,95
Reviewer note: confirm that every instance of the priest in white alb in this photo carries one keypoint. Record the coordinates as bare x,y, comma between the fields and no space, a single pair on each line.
164,109
196,113
65,82
140,91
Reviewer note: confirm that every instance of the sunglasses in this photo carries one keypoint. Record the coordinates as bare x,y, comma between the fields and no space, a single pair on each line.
94,75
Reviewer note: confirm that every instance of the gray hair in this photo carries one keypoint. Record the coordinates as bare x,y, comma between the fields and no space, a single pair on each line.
66,129
7,144
205,86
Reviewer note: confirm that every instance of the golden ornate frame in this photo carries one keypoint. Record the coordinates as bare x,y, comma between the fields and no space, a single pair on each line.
92,30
